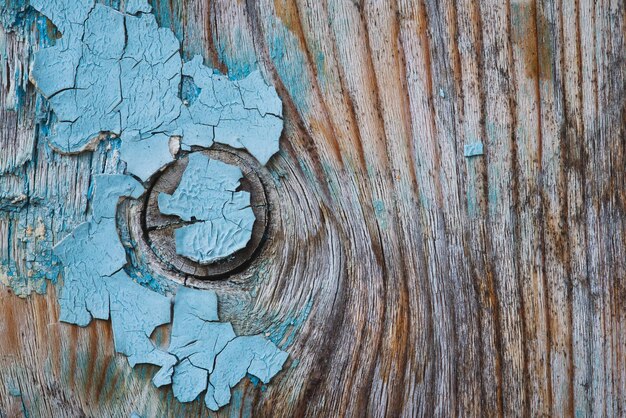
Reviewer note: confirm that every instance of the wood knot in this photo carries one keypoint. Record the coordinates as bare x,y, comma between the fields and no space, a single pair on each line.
158,229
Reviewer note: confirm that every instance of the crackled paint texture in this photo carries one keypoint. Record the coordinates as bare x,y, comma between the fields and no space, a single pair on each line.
211,356
473,150
208,193
120,73
117,74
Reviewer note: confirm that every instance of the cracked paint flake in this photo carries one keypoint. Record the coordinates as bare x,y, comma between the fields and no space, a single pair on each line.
144,157
135,313
95,286
474,149
225,104
253,355
211,356
119,74
92,251
138,6
222,218
204,354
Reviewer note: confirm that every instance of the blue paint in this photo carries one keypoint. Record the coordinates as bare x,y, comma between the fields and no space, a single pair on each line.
474,149
245,113
144,157
206,347
380,212
207,193
201,349
236,51
189,91
196,339
320,65
189,381
14,390
93,251
138,6
251,354
12,12
108,189
135,313
114,74
287,55
55,67
283,333
119,73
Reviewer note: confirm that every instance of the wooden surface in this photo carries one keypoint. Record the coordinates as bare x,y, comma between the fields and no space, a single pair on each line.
409,280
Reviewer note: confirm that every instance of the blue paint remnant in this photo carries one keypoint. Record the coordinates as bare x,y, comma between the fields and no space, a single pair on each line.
250,354
204,354
289,64
144,157
225,105
14,390
211,356
189,381
135,314
95,285
474,149
108,189
138,6
196,333
189,91
284,333
222,216
12,12
120,74
380,212
92,251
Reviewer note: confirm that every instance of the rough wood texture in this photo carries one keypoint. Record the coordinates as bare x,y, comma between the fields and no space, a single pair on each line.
411,280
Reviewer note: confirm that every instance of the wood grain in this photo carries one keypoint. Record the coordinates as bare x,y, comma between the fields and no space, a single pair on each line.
403,278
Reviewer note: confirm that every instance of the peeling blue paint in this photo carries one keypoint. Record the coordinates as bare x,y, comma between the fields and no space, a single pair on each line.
145,156
135,314
222,216
118,75
474,149
210,349
250,354
138,6
244,114
201,350
93,251
283,333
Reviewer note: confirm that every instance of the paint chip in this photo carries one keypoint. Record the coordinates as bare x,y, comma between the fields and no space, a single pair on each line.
474,149
120,74
204,354
210,349
135,313
221,217
138,6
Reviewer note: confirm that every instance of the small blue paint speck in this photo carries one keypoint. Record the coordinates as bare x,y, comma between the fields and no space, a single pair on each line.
474,149
15,392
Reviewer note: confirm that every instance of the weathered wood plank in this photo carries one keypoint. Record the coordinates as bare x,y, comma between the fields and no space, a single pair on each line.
403,278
